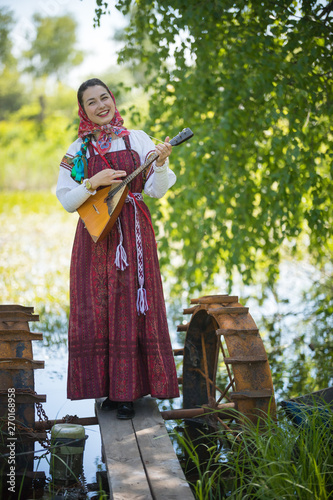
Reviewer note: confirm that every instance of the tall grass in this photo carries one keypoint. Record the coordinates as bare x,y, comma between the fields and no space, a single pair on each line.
277,461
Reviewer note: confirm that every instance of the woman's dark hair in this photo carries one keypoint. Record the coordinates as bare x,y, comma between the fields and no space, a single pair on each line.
89,83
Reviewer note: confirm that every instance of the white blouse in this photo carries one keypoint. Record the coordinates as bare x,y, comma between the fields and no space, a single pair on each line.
71,194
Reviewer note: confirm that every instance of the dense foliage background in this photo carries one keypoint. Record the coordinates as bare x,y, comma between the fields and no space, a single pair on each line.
254,81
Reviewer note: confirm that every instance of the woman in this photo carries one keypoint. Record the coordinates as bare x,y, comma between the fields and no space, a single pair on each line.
119,345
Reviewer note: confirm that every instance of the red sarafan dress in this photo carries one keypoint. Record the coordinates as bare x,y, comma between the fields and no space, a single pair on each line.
115,351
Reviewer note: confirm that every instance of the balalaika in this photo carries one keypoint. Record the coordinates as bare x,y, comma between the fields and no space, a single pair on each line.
99,213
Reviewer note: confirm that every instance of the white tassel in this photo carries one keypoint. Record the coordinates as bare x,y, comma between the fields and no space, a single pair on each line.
141,302
121,257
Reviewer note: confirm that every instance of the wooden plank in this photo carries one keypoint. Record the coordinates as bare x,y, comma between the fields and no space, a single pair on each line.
233,331
190,310
16,307
261,393
196,412
210,299
25,397
126,474
15,316
20,364
248,359
178,352
165,476
183,328
74,420
228,310
19,335
218,299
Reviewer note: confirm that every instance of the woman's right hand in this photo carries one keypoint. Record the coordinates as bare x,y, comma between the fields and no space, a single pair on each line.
106,178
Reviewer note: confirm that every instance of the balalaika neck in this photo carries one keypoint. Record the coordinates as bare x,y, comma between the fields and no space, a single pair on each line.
140,169
134,174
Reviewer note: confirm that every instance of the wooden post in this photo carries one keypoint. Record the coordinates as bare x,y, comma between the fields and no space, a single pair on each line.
17,394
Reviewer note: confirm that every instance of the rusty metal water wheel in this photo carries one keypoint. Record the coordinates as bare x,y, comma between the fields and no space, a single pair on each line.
225,364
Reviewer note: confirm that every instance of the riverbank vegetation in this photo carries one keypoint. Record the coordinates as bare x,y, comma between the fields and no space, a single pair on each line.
277,461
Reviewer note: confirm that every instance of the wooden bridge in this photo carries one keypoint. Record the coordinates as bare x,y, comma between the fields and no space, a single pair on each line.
140,460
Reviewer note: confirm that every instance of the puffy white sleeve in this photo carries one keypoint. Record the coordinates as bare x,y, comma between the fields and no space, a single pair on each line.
70,194
159,179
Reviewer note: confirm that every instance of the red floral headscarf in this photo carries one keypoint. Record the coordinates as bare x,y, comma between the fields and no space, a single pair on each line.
104,140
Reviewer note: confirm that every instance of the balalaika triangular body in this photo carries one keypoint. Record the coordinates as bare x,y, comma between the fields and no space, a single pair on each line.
95,213
100,212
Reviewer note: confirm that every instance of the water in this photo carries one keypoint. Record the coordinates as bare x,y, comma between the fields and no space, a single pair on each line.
52,382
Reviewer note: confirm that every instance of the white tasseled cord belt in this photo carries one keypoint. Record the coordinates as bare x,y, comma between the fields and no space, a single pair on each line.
121,257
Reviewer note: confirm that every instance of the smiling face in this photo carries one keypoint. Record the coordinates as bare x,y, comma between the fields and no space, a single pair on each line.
98,105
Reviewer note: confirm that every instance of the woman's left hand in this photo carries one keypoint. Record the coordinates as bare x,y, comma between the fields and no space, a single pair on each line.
164,151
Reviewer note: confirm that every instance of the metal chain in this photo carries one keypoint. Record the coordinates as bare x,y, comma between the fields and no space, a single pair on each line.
28,431
83,481
69,418
41,413
45,443
42,416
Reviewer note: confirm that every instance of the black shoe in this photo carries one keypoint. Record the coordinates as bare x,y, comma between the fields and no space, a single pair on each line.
108,405
125,410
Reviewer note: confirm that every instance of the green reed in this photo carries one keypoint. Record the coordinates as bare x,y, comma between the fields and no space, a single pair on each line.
273,461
